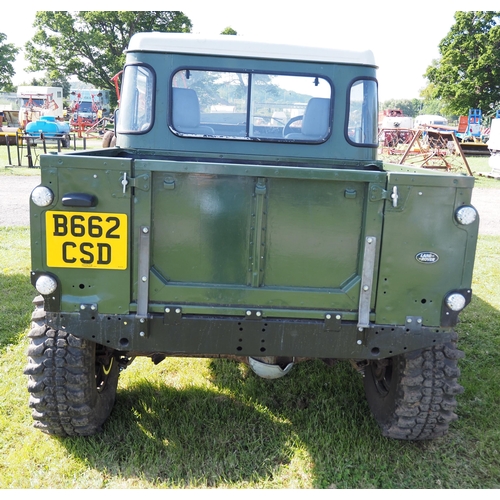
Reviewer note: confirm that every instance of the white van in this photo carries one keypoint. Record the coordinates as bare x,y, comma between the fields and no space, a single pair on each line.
423,120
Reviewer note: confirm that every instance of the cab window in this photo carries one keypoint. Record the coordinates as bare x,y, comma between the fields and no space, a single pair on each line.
361,127
250,106
137,100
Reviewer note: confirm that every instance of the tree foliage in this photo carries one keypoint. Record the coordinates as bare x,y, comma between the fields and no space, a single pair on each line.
7,56
409,107
90,44
468,73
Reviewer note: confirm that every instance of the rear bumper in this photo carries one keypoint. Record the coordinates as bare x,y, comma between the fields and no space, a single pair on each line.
176,334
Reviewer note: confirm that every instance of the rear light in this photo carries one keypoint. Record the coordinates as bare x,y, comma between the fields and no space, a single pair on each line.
42,196
456,301
45,284
466,215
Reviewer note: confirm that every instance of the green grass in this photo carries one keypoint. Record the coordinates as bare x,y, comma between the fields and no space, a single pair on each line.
191,423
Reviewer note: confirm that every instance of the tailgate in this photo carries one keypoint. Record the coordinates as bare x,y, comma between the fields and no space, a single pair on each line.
224,239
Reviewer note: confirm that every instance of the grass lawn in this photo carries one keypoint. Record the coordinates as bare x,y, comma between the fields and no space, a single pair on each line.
190,423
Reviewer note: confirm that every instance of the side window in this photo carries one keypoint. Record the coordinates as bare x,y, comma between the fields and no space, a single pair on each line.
362,113
137,100
251,106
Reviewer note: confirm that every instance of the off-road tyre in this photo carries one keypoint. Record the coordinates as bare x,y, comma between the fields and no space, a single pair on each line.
107,139
72,382
413,396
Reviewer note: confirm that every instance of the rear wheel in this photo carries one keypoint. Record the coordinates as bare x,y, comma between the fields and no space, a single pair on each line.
72,382
413,396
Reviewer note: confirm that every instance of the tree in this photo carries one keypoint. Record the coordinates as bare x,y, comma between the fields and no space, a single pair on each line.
7,56
468,73
229,31
409,107
48,81
90,44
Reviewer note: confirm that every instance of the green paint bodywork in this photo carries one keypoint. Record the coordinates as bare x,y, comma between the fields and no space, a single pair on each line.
257,248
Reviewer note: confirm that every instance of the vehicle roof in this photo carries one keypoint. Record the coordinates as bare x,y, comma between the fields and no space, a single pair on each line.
35,89
429,117
239,46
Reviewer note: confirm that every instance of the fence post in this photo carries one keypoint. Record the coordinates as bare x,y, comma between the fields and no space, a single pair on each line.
30,160
7,141
42,136
17,145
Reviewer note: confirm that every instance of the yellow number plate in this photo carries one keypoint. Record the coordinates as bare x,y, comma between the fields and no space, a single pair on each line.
83,239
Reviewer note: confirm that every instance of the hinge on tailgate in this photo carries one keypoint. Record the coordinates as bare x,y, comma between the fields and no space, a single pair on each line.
141,182
377,193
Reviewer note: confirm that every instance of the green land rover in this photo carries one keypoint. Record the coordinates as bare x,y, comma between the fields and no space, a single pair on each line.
243,214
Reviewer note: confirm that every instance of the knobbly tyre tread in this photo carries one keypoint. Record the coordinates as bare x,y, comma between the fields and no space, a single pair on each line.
62,383
422,397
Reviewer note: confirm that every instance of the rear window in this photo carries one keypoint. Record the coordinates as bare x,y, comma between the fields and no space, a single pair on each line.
251,106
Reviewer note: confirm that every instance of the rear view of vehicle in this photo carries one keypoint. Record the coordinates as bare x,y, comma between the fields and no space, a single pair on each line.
243,214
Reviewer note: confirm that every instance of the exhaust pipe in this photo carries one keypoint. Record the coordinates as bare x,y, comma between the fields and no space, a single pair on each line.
267,367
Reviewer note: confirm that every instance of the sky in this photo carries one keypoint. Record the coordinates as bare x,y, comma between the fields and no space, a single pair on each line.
404,36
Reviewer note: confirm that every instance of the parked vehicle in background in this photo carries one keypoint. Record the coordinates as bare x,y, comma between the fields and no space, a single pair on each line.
394,128
37,101
41,113
429,120
88,107
244,214
47,127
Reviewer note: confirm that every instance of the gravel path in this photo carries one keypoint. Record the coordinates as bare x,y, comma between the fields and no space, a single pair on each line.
14,199
15,191
487,203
